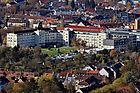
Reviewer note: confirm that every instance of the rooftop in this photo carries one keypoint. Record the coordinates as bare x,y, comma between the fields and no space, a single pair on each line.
86,28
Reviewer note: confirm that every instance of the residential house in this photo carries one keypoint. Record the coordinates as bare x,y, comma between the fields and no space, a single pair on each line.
111,72
108,72
80,79
116,67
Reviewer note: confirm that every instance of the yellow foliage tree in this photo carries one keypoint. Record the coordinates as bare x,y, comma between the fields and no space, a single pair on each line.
18,87
5,1
113,53
128,5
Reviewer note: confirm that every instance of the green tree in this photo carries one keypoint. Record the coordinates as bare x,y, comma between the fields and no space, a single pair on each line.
127,78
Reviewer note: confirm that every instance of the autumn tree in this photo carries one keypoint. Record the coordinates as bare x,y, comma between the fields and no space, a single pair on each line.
126,89
128,5
48,86
70,87
137,4
83,44
127,67
79,57
76,43
113,53
5,1
31,87
114,18
18,88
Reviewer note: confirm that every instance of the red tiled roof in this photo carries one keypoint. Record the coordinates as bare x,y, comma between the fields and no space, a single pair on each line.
92,72
64,73
86,28
60,28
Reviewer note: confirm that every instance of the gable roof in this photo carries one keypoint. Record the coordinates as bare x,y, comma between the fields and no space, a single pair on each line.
109,71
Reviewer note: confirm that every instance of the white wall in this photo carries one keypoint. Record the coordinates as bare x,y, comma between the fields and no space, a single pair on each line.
103,72
11,40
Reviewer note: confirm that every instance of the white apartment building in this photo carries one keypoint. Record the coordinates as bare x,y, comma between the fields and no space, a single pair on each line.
49,36
94,36
11,39
93,39
65,33
21,38
38,37
61,36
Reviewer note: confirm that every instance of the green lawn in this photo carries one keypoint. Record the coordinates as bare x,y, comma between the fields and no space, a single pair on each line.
54,51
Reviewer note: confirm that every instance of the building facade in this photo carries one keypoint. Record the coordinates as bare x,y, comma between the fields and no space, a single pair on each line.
22,38
121,39
44,37
93,39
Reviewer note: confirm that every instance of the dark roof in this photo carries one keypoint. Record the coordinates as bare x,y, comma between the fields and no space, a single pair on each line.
44,29
19,1
138,85
12,3
3,81
1,22
29,30
91,80
118,65
111,73
25,31
93,67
